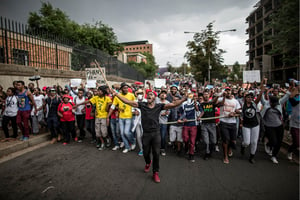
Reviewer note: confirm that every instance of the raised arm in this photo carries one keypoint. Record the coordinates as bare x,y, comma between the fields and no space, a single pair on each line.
124,100
174,104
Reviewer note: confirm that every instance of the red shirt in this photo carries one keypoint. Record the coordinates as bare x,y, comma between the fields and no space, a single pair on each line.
88,110
66,110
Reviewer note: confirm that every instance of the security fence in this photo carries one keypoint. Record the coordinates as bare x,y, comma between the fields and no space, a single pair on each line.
23,46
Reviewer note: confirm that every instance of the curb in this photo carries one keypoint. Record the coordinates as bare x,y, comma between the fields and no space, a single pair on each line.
21,145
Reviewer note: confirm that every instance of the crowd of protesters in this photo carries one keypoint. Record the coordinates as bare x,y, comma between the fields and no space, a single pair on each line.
188,114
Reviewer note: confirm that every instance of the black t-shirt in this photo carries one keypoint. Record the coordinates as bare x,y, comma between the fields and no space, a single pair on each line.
53,106
150,122
249,116
209,111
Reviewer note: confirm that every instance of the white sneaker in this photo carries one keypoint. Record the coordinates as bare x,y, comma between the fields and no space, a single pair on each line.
122,145
133,146
290,156
217,148
115,148
101,147
274,160
125,150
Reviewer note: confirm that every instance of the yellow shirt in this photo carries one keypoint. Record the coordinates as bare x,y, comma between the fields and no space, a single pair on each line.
101,104
125,109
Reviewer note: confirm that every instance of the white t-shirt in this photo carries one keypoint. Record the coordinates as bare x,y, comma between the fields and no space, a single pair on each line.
11,106
230,105
38,102
79,108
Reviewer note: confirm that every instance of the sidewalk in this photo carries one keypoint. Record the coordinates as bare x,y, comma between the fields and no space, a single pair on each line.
11,146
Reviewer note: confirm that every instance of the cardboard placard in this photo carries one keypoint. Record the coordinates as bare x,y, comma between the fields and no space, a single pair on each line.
75,82
251,76
159,82
91,84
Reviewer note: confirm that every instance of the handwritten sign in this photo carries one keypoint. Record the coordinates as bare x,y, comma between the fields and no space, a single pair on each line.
94,73
251,76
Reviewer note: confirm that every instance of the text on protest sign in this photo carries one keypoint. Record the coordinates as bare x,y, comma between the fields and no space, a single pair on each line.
251,76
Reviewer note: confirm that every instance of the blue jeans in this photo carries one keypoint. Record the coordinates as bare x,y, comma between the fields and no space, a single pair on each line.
163,134
115,130
126,134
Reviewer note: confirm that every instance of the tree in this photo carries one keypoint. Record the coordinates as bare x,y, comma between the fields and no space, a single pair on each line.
236,73
285,24
147,69
57,23
202,50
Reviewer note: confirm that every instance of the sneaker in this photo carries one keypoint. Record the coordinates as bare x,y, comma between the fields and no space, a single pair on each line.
79,141
217,148
230,154
133,146
156,177
122,145
101,147
147,167
191,158
76,139
206,156
225,161
162,152
140,153
65,143
125,151
274,160
108,142
21,138
25,138
98,145
290,156
251,160
115,148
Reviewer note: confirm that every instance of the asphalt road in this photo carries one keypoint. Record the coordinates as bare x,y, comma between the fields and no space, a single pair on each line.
80,171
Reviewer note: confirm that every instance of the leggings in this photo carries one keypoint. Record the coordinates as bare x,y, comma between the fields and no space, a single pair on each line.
275,136
250,137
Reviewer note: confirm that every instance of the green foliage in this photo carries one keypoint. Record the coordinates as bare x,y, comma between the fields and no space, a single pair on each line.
236,74
149,69
180,70
285,23
57,23
202,50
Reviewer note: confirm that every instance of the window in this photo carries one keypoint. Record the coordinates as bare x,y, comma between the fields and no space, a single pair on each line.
20,57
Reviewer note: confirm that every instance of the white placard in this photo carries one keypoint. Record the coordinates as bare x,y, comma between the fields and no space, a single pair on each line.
251,76
94,73
91,83
158,82
75,82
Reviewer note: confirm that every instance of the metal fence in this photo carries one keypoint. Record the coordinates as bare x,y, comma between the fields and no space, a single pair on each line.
21,45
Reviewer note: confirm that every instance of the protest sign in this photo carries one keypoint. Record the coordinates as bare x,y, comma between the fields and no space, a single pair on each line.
251,76
75,82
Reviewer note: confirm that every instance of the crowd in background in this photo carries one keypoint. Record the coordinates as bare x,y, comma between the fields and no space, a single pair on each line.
213,116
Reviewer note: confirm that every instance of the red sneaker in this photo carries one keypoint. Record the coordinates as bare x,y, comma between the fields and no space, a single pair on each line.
65,143
76,139
147,167
156,177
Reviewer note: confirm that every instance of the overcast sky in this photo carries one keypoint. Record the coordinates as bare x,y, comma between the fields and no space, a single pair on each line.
161,22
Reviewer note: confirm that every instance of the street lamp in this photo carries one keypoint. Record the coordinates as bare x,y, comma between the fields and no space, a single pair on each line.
217,32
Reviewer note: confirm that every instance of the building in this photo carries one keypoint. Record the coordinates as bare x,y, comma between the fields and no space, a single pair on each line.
133,51
270,66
